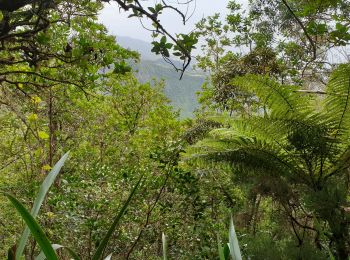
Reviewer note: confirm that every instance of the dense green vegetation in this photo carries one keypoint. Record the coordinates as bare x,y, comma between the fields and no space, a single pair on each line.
95,163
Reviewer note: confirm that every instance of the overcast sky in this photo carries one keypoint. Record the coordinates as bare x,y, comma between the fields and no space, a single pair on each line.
118,24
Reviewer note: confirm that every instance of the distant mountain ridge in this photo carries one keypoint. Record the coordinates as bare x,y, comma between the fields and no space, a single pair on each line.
143,47
182,93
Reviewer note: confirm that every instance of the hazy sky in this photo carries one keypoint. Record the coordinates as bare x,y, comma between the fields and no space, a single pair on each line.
118,24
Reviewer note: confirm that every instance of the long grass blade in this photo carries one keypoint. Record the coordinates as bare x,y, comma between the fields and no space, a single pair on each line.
45,186
100,250
227,251
165,247
234,247
34,228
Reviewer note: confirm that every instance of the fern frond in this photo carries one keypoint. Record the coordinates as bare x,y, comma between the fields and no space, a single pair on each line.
280,99
337,102
253,154
256,128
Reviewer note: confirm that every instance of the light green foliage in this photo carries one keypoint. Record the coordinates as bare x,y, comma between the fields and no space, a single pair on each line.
112,137
103,245
110,122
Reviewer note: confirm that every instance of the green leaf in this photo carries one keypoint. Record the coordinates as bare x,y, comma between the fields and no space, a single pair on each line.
234,247
100,250
163,40
152,10
158,7
42,256
227,252
35,229
220,249
43,135
168,45
45,186
165,247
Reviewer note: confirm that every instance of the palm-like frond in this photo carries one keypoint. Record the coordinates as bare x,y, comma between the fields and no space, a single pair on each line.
279,99
337,102
250,153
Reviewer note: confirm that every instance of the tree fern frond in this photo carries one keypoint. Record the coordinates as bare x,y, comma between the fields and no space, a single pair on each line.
254,156
272,130
337,102
280,99
245,132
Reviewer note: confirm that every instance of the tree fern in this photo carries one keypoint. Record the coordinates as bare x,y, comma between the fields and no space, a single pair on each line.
294,150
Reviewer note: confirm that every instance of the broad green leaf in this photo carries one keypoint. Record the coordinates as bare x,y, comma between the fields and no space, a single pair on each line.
234,247
42,256
165,247
100,250
35,229
45,186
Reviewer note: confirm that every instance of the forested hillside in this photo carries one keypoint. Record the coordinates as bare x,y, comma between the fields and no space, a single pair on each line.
97,163
182,93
